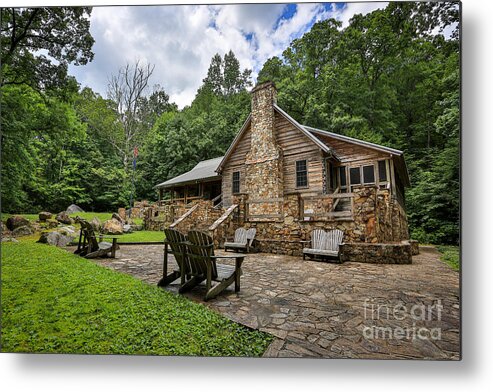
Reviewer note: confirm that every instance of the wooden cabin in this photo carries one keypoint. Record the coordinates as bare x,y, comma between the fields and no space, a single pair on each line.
287,179
202,182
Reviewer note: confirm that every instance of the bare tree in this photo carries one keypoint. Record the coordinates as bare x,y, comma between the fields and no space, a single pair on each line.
127,90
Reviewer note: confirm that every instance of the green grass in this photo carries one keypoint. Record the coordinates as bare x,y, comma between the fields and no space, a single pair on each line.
56,302
142,236
30,217
450,255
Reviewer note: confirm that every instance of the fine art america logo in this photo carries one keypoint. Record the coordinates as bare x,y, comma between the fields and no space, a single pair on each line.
402,322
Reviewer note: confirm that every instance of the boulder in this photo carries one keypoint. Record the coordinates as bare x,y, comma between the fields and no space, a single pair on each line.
113,226
118,218
122,213
44,216
9,239
72,208
96,224
50,238
51,223
16,221
63,217
127,228
137,227
4,229
67,230
55,238
22,231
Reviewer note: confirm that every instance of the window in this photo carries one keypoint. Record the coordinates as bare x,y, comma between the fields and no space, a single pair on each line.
236,182
342,177
369,174
301,174
355,175
382,171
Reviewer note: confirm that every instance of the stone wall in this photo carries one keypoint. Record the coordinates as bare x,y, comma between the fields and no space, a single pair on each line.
290,234
200,217
398,253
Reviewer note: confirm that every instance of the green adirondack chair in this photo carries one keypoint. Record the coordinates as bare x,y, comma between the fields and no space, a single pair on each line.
203,266
174,244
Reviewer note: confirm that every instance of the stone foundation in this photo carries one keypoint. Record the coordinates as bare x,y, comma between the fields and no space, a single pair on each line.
376,253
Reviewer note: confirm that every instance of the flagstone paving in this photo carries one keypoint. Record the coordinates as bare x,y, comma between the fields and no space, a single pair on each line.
316,309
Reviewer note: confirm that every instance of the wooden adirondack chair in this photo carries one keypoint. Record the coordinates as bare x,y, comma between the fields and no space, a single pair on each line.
243,240
89,247
176,241
203,266
324,244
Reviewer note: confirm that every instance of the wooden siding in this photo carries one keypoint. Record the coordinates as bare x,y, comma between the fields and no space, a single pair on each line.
236,162
296,146
350,152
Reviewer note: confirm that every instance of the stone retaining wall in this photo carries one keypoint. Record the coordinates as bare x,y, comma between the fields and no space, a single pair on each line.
399,253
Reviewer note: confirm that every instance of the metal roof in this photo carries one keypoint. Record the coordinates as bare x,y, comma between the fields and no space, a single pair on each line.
353,140
202,171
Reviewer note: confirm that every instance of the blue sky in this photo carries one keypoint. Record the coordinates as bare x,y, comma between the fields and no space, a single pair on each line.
181,40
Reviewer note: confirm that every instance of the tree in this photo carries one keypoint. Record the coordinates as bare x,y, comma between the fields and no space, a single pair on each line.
127,90
26,33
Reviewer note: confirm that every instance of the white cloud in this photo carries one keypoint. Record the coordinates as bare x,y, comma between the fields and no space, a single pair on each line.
181,40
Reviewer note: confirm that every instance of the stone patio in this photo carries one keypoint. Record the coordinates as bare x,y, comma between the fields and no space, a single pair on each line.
316,309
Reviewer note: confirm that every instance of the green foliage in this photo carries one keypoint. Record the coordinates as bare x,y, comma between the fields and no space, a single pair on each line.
56,302
451,256
387,78
63,32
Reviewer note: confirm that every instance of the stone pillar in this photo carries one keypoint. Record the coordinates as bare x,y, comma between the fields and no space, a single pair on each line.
263,174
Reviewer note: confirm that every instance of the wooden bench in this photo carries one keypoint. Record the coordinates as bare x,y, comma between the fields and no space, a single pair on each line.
243,240
324,244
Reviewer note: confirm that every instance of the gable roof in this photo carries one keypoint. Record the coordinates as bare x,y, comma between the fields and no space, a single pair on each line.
311,133
401,163
204,170
247,122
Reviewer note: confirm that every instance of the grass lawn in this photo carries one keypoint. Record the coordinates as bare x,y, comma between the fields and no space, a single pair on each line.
450,255
56,302
142,236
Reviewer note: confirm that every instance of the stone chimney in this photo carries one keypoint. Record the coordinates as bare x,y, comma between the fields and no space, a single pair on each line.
264,174
263,142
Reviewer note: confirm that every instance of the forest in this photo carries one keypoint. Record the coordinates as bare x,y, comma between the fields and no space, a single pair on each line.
391,77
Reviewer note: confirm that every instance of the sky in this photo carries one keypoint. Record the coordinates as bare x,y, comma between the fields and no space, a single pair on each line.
180,40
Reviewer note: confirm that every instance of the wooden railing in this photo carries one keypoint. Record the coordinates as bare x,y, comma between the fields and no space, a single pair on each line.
324,207
276,202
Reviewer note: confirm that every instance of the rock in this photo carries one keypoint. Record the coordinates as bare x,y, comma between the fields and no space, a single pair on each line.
72,208
5,230
127,228
137,227
96,224
113,226
50,238
67,230
22,231
118,218
122,214
8,239
16,221
51,223
55,238
63,217
44,216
